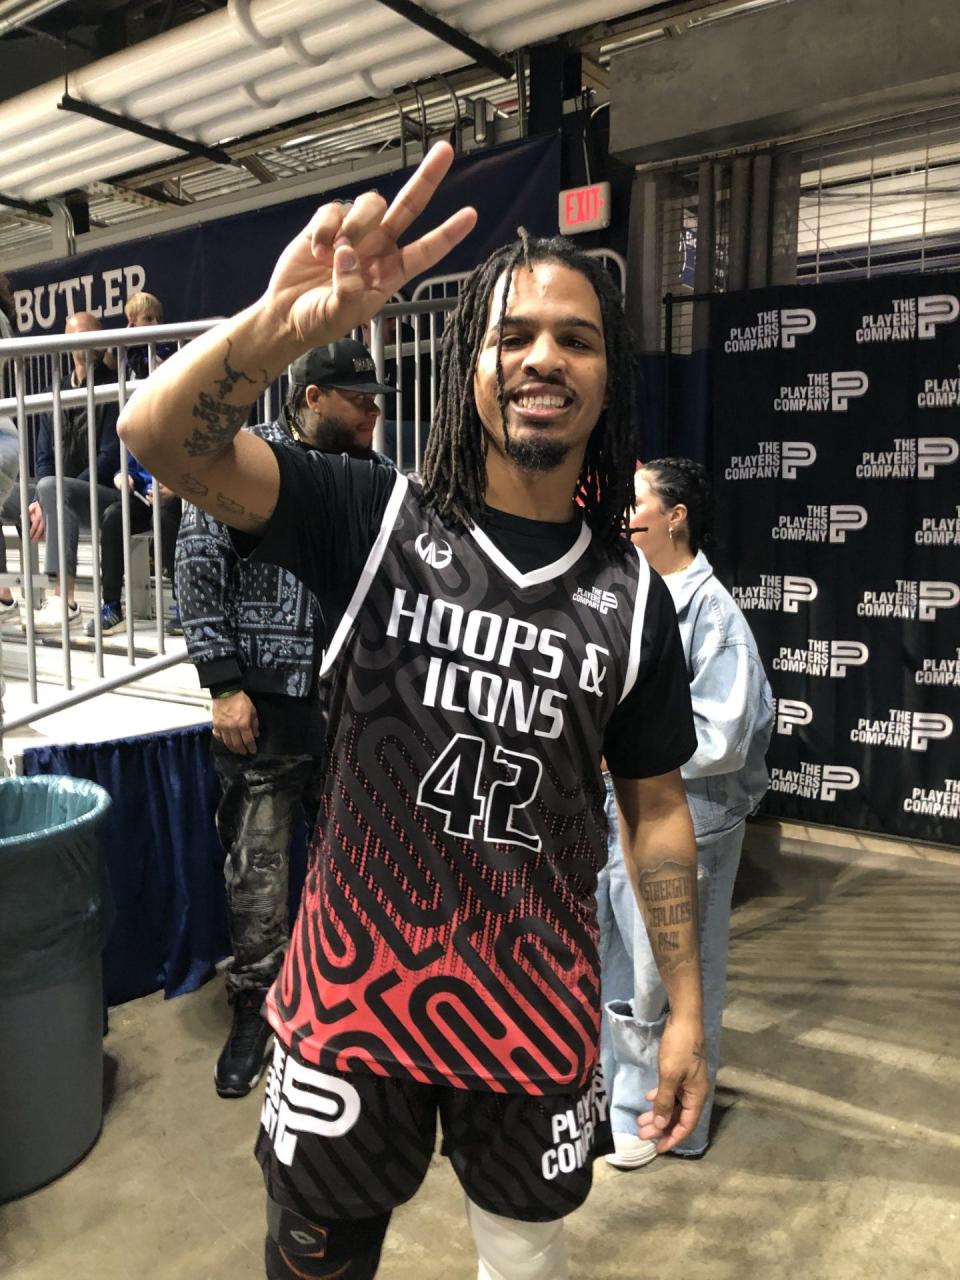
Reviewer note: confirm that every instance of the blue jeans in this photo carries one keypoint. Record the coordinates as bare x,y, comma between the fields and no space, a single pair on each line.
630,987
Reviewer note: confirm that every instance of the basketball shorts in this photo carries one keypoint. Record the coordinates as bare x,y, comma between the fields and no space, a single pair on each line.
341,1147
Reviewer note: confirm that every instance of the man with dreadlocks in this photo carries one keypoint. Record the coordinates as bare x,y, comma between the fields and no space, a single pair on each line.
496,637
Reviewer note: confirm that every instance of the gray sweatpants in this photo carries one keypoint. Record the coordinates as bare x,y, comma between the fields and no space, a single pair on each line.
76,516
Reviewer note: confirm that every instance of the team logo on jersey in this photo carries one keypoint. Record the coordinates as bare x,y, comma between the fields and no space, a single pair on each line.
436,554
300,1099
594,598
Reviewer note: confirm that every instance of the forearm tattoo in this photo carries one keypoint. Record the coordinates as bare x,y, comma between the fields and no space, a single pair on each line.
668,894
221,421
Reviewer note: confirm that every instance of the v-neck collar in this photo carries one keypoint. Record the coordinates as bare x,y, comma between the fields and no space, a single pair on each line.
536,576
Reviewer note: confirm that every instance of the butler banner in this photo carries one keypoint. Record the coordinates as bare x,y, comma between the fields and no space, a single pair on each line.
837,467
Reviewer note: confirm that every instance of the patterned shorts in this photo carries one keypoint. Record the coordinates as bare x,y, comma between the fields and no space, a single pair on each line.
349,1146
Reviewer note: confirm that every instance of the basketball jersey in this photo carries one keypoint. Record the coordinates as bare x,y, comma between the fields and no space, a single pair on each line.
447,932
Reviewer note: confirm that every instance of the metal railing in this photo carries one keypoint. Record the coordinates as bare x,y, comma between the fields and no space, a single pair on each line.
404,340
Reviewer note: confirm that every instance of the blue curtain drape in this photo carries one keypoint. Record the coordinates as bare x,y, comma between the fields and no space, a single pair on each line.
163,858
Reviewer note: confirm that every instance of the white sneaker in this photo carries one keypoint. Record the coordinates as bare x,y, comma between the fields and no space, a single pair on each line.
50,617
631,1152
9,611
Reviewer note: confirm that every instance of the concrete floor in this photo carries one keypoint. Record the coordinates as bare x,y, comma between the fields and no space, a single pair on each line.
836,1154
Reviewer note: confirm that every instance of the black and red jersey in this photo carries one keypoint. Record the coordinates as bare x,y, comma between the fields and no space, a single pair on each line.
447,930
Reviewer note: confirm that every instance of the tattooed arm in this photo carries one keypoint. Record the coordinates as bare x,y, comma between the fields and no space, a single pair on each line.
661,858
182,424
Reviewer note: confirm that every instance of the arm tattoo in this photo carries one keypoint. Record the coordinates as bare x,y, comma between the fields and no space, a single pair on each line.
193,487
231,507
668,894
221,421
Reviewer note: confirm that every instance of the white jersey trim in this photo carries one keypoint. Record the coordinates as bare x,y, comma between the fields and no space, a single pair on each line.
636,629
367,574
536,576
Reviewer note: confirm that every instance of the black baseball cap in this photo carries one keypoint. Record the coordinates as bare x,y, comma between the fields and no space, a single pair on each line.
346,364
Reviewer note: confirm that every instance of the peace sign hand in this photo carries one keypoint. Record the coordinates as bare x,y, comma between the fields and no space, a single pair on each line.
343,267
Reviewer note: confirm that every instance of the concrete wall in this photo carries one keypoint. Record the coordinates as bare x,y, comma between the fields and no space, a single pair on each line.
807,65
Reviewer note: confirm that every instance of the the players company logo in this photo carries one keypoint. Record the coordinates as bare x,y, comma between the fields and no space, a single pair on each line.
939,531
436,554
573,1130
594,598
773,329
774,460
910,599
906,730
939,671
820,524
910,318
792,714
775,592
939,393
300,1099
935,802
815,781
822,658
908,459
822,392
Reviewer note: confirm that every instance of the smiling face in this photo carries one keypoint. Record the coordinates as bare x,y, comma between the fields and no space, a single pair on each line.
554,363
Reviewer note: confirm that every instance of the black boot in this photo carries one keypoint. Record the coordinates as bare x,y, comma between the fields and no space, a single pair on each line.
241,1061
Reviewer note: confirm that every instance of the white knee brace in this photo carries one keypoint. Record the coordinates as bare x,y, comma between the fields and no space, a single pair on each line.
513,1250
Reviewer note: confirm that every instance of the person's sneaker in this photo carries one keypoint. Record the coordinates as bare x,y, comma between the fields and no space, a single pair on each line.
9,611
241,1062
111,620
50,616
631,1152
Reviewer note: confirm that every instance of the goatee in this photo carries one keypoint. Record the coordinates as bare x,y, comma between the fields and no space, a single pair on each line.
536,454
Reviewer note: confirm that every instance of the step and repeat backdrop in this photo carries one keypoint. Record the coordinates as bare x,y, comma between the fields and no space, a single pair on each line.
836,417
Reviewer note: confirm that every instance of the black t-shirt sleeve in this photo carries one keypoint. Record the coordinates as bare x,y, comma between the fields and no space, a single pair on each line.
651,731
327,518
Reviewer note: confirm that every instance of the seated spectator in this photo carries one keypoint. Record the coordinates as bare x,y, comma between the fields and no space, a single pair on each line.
144,491
42,511
142,311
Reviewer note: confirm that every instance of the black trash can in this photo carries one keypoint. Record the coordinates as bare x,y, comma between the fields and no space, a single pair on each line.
55,914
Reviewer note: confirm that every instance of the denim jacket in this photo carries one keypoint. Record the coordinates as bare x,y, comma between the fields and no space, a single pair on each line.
726,778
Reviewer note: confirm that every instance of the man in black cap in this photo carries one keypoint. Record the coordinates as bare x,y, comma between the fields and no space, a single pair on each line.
253,632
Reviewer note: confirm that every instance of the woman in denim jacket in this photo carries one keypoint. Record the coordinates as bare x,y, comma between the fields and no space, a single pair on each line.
726,779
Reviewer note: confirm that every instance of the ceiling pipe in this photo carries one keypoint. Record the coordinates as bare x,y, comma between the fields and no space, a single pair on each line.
248,68
17,13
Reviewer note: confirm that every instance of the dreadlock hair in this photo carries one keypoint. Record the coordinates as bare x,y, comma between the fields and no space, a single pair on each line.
676,480
454,472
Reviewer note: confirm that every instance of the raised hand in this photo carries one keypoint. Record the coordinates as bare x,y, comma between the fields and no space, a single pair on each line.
344,266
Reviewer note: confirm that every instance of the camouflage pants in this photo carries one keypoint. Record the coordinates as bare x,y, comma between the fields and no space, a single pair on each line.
261,800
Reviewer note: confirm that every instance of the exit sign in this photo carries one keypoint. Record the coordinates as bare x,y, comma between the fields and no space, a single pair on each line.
585,208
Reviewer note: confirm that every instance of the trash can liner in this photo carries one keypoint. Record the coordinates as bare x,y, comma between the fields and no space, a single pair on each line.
55,904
